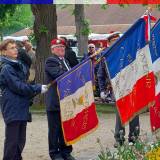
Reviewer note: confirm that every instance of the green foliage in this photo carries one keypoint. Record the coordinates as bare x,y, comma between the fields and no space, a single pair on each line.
124,5
43,29
145,148
17,19
37,108
86,29
73,12
6,10
104,6
32,37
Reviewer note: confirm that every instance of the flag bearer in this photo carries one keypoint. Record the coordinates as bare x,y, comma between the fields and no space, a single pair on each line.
55,66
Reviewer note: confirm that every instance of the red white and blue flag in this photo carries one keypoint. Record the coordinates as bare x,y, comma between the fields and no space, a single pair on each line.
130,69
155,55
26,1
133,1
78,110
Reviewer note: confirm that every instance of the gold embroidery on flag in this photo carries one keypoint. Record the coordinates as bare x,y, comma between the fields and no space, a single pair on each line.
148,81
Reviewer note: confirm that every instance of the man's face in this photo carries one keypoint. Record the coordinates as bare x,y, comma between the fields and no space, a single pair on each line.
27,45
58,50
112,41
91,49
11,51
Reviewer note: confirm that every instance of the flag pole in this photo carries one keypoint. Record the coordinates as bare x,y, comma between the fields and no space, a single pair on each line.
51,83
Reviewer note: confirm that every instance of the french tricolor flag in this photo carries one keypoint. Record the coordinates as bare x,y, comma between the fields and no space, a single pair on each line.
130,68
155,55
133,1
78,110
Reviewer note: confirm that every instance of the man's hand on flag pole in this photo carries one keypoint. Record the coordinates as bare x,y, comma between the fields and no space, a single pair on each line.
96,53
103,95
44,88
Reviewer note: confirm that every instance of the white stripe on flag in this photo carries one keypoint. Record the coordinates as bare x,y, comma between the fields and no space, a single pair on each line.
156,70
77,102
124,81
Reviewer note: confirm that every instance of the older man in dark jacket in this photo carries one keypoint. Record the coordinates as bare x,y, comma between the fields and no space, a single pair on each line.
70,55
55,66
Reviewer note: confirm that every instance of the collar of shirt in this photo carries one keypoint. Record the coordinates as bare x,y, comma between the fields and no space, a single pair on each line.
66,65
61,58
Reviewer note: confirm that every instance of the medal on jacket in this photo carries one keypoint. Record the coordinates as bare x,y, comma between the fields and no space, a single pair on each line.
60,65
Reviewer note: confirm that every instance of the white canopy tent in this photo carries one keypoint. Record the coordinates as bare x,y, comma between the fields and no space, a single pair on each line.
92,36
20,38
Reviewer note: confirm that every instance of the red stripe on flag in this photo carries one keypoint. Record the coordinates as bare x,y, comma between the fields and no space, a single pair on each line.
146,27
155,114
142,94
153,18
133,1
81,124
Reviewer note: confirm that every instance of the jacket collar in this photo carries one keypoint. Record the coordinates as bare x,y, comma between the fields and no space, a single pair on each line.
7,60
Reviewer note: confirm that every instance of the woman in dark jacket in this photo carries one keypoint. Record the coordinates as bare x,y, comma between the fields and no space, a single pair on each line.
16,94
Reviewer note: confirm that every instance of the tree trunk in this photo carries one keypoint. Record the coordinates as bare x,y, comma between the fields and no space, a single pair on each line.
45,29
79,21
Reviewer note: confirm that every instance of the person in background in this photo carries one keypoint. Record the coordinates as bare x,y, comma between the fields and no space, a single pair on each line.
31,53
99,46
16,94
55,66
22,54
91,53
24,58
94,55
70,55
107,93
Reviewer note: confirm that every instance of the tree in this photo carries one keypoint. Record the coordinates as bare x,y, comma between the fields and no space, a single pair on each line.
45,29
82,28
21,18
5,12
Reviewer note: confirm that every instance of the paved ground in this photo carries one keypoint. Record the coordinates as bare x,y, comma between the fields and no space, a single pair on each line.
86,149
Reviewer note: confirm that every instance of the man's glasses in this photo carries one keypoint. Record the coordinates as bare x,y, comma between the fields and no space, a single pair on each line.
91,47
58,46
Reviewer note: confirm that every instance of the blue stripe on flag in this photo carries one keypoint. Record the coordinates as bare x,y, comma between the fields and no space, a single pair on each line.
26,1
69,83
155,42
122,52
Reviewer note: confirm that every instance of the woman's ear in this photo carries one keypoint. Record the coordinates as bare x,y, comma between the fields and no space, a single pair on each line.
3,53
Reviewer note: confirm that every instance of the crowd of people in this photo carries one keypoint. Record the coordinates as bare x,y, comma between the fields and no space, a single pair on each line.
18,88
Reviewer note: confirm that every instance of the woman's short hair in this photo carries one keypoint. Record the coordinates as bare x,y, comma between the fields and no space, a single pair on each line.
4,44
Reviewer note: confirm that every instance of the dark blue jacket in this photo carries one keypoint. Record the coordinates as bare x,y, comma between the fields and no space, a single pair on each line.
70,55
102,75
16,93
86,55
54,67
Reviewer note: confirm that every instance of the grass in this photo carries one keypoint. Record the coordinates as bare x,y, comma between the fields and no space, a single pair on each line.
37,108
105,108
101,108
